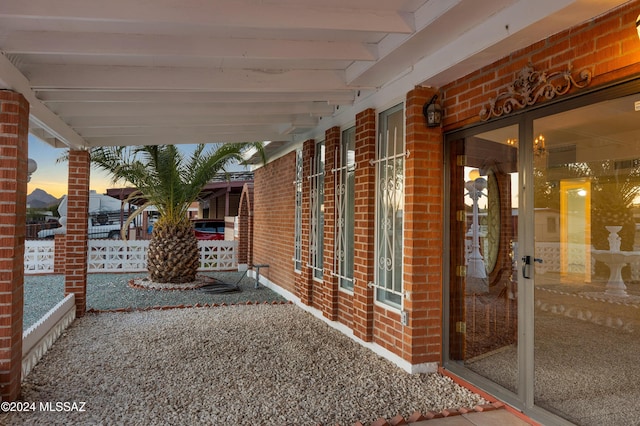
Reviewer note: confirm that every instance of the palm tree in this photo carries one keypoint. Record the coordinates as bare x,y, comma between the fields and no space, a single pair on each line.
167,180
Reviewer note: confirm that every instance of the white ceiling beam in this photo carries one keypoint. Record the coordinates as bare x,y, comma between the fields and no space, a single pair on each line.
439,22
426,15
169,108
151,78
345,97
140,45
45,136
171,130
222,13
173,139
12,79
520,25
80,123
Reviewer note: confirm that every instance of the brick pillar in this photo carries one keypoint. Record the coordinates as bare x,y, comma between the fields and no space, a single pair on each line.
304,280
14,129
363,233
58,253
332,161
422,233
75,268
245,226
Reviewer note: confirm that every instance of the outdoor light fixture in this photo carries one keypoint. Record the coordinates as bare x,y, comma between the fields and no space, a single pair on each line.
32,166
432,111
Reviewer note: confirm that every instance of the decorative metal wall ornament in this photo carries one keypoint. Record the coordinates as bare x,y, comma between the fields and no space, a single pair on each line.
530,86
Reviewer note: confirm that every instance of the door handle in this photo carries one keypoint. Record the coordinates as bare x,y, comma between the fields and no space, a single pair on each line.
526,264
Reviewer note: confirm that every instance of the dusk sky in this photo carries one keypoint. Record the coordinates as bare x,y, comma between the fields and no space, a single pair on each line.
51,176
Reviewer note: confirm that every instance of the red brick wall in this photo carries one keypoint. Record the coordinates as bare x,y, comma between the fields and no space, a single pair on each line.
14,126
273,220
304,280
330,285
76,243
607,46
420,340
363,233
245,226
423,236
59,252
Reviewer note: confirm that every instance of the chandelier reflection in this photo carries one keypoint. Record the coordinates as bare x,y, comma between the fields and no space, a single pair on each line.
539,147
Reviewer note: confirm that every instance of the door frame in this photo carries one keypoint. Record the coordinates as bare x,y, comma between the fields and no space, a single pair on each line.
523,399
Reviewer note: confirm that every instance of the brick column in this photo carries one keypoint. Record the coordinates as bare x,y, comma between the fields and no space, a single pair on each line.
423,236
245,227
75,268
14,128
58,253
304,280
363,233
330,293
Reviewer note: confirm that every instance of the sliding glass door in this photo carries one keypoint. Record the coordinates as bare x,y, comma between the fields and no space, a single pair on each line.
543,289
483,320
587,281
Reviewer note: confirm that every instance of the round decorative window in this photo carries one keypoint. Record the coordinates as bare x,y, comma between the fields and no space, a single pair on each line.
493,222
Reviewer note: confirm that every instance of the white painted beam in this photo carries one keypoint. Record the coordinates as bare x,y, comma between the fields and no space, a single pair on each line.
151,78
12,79
345,97
169,108
99,122
233,13
183,131
141,45
168,140
430,12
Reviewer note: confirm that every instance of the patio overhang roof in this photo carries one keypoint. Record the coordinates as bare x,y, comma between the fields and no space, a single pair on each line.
231,183
129,72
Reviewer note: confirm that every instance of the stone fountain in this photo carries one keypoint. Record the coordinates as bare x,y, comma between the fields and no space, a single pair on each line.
615,259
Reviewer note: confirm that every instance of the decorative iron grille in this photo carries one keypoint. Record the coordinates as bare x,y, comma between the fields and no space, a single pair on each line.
344,202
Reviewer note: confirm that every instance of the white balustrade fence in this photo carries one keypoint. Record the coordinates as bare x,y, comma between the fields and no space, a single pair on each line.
114,255
38,256
118,256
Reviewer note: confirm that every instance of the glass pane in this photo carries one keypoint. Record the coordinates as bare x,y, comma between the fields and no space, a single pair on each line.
345,209
319,211
483,279
587,274
298,213
390,206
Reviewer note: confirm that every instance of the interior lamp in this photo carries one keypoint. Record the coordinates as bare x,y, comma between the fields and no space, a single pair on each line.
638,25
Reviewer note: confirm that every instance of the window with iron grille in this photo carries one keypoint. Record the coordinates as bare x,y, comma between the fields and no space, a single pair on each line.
390,157
344,202
316,234
297,251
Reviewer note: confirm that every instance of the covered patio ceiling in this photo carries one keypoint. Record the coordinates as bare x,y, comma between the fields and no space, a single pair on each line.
131,72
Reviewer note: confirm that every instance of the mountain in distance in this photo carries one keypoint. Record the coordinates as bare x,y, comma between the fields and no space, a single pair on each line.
40,199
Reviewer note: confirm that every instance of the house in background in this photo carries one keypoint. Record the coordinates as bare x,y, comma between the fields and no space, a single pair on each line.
362,209
219,199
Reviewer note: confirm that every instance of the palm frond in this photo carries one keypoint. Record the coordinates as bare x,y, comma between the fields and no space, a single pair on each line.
162,174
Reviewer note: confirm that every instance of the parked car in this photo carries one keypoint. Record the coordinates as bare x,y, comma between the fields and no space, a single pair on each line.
106,215
208,229
95,230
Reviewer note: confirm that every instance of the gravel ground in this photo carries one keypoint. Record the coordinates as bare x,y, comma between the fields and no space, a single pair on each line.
112,291
243,364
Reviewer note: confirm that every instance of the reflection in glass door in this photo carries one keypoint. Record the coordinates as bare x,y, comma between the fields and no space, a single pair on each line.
483,312
587,286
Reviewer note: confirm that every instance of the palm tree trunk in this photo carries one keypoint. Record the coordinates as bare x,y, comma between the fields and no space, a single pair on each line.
173,253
